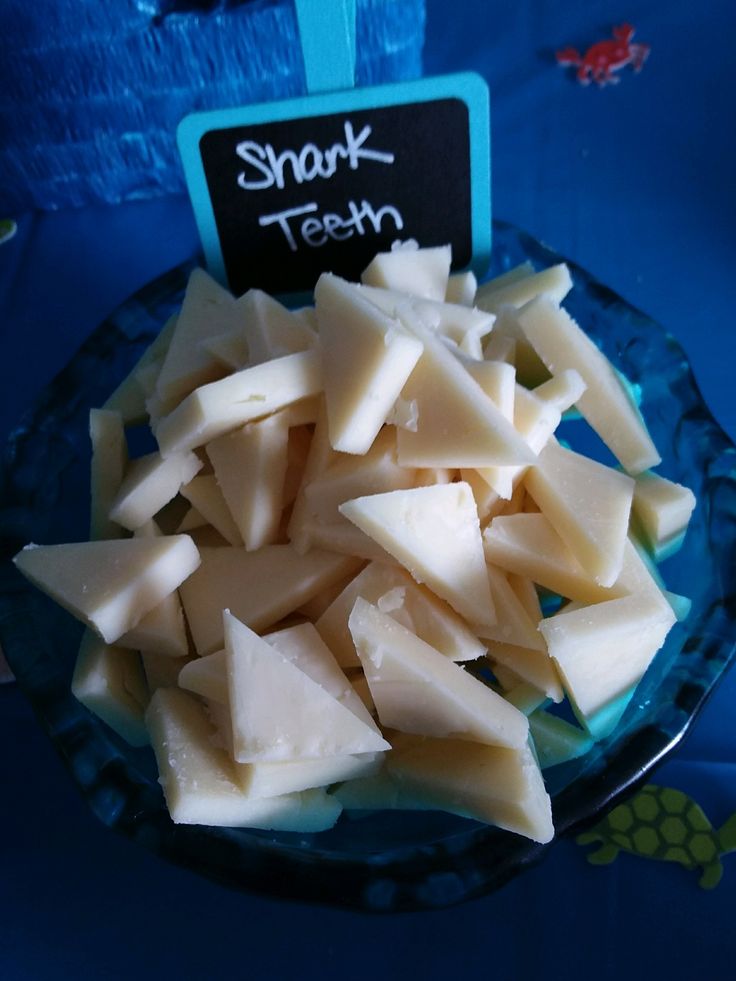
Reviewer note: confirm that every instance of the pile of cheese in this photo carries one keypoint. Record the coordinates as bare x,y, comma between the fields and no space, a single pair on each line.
322,590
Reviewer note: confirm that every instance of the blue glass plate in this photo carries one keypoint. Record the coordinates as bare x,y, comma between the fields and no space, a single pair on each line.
389,860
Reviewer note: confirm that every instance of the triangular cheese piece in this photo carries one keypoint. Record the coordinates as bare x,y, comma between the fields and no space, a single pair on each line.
395,592
455,322
366,359
588,505
207,309
458,425
435,534
461,288
555,283
503,787
272,331
421,272
416,689
204,493
110,585
304,647
243,582
604,649
530,664
107,469
207,676
150,483
513,625
605,404
201,782
528,545
110,682
129,398
304,722
250,466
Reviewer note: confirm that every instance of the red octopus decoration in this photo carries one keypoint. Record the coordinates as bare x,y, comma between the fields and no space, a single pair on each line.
601,60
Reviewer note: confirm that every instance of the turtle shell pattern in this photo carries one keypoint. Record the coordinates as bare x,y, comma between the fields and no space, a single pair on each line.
660,823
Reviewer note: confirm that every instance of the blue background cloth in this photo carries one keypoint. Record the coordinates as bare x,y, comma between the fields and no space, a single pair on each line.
633,181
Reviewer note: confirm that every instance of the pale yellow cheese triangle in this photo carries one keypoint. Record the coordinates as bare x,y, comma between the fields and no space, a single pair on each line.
503,787
434,533
250,467
604,649
107,469
304,647
455,322
366,359
530,664
605,404
204,493
245,583
458,425
588,505
555,283
272,331
207,676
252,393
528,545
110,585
129,398
200,781
416,689
461,288
421,272
149,484
304,722
396,593
207,309
513,624
110,682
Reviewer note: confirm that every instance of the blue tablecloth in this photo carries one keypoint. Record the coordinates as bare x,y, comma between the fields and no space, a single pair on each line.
635,182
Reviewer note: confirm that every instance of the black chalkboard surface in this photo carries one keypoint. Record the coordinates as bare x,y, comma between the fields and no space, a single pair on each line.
280,200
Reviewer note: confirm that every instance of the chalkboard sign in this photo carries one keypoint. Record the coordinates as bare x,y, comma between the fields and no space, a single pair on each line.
284,191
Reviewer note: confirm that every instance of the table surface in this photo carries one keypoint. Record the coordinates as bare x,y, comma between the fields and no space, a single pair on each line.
634,182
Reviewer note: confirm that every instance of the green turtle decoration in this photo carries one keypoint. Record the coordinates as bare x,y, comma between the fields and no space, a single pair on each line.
8,228
665,824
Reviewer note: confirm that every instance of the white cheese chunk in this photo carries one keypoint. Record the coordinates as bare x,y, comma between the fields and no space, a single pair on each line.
434,533
513,624
528,664
605,404
207,310
305,722
416,689
204,493
258,587
110,585
150,483
250,466
304,647
200,781
129,398
588,504
430,618
107,469
604,649
272,331
662,507
421,272
366,359
461,288
458,425
555,283
528,545
110,682
252,393
503,787
207,676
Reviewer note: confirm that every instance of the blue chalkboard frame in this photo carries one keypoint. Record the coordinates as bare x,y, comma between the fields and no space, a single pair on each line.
469,87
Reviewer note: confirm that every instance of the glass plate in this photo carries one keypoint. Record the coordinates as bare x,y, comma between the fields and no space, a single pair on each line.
388,860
